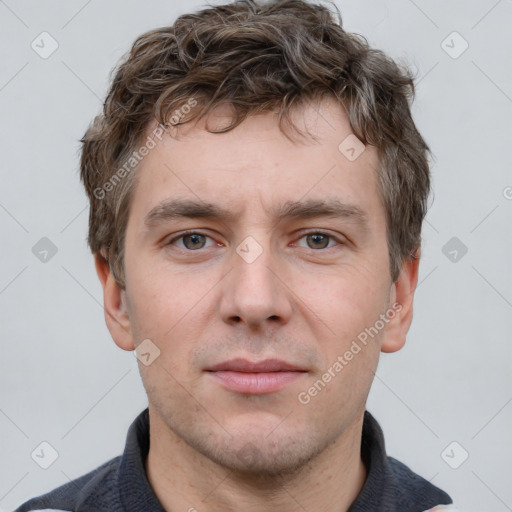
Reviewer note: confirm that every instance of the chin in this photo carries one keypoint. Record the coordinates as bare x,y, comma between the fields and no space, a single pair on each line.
253,454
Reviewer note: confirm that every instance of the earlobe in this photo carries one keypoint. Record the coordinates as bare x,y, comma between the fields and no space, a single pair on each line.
401,302
115,307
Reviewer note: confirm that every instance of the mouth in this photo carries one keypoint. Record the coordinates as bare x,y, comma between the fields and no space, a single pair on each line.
255,378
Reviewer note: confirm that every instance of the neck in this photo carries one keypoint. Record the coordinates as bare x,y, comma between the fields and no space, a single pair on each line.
183,479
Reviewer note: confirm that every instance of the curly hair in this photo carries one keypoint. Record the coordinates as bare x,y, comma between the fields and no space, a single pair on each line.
258,57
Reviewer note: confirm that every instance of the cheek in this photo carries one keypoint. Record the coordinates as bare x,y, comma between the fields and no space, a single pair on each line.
161,298
171,309
351,300
155,312
351,346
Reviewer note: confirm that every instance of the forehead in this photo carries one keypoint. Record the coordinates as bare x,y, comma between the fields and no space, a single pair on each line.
255,169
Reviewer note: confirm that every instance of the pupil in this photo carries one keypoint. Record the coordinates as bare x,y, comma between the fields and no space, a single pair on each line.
195,239
317,238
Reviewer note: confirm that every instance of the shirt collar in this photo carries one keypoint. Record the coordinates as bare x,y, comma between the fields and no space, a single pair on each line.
381,489
135,492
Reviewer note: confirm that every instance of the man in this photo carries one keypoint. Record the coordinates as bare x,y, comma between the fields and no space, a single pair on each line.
257,189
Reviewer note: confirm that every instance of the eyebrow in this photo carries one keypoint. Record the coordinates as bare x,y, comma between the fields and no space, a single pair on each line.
171,209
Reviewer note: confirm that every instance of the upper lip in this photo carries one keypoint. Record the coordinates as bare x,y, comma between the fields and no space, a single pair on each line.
243,365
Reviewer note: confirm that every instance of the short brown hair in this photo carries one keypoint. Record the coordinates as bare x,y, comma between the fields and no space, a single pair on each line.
258,57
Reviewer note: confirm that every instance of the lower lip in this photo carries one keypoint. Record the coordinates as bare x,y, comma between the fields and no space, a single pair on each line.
256,383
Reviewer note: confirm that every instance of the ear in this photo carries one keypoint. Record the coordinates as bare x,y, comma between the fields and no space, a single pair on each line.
402,295
114,300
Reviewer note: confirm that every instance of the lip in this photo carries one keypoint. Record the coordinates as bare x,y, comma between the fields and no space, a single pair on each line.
266,366
255,378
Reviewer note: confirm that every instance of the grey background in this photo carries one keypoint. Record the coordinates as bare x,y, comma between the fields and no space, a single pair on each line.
62,378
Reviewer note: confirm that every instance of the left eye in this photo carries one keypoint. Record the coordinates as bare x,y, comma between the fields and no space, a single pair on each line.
191,241
318,240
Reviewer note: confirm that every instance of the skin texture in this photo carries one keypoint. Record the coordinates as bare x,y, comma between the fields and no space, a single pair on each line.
303,300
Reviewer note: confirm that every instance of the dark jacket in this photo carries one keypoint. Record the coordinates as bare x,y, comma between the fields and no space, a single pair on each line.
121,485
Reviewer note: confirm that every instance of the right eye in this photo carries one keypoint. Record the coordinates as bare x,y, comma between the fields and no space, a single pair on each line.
190,240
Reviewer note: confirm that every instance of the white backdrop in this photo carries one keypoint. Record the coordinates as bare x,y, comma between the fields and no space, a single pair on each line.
65,382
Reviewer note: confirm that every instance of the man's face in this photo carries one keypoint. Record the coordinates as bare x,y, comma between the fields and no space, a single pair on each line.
256,286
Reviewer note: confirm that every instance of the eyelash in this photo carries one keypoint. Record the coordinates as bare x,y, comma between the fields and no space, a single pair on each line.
314,232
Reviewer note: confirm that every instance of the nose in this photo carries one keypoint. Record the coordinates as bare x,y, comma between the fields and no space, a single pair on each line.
254,292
